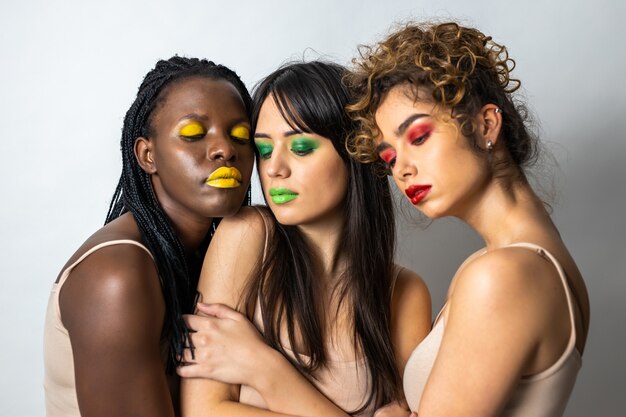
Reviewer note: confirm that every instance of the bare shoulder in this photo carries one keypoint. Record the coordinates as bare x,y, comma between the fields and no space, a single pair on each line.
235,252
502,271
248,222
512,283
115,290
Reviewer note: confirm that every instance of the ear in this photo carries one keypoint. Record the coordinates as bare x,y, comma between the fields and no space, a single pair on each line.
144,154
489,122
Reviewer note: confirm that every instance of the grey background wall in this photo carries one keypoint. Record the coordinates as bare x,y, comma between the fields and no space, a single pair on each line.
69,69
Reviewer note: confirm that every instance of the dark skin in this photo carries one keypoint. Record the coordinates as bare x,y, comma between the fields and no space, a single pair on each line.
112,303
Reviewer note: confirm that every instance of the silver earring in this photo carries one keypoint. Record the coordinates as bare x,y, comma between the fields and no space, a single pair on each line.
498,110
489,145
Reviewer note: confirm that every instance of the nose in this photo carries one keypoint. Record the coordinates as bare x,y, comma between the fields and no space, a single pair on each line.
276,166
405,168
221,148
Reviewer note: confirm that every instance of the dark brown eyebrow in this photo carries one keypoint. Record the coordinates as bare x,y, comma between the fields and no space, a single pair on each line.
285,134
381,147
293,132
194,116
405,125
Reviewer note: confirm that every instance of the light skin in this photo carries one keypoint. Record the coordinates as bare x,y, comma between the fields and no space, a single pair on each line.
112,303
228,346
506,314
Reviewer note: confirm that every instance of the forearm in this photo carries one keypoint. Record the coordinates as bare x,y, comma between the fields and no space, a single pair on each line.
286,390
202,397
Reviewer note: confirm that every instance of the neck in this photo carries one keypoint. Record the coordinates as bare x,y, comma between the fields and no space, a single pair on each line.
323,238
191,233
504,215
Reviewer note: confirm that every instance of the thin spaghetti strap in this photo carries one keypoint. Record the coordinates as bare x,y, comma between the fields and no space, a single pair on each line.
266,223
67,270
568,293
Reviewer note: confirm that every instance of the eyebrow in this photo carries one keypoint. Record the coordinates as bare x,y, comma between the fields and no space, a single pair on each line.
285,134
195,116
381,147
405,125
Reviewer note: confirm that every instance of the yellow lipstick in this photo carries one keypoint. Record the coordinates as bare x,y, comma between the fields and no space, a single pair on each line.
224,177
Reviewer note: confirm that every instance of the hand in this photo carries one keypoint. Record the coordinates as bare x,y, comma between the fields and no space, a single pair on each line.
394,409
227,346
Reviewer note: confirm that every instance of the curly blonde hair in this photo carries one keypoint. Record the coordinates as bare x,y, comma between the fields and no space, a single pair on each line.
459,68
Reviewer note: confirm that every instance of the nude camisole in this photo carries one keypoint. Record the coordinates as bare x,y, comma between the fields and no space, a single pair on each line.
345,383
59,383
541,395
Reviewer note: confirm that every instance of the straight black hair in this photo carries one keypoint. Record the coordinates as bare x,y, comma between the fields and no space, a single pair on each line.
311,97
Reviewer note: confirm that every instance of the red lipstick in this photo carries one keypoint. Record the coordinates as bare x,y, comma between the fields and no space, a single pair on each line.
416,193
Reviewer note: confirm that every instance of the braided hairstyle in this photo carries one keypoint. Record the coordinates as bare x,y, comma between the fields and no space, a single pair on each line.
134,193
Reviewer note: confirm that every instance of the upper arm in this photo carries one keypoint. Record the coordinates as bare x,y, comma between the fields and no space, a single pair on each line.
233,254
113,309
491,330
410,315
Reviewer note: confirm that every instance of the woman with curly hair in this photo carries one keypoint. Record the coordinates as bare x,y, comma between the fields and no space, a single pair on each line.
434,102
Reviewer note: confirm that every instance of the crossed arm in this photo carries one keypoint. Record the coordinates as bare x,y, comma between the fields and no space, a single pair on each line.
233,254
229,348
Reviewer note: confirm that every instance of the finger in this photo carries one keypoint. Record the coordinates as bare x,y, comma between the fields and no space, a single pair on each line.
221,311
188,371
188,356
196,323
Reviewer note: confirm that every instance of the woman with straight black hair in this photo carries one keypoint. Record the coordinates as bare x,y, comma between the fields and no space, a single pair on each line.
114,331
315,274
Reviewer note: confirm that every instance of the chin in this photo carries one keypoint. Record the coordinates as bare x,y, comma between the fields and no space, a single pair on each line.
226,206
285,220
431,211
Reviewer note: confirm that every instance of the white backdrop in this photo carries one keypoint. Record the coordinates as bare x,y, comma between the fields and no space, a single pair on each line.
69,70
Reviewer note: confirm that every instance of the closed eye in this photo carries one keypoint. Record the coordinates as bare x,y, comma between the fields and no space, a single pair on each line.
303,146
240,134
420,139
388,155
265,149
417,135
193,131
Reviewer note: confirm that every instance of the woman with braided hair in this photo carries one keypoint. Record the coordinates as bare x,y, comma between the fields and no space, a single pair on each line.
435,103
114,331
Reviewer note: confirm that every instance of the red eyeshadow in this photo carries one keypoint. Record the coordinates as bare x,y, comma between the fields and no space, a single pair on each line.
419,131
387,155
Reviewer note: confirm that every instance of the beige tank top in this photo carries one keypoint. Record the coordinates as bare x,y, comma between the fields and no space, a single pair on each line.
345,383
541,395
59,383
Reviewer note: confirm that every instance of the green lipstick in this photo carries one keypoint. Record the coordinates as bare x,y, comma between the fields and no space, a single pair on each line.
282,195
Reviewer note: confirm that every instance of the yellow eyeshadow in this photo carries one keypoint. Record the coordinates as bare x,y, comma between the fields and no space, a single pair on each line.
240,132
192,129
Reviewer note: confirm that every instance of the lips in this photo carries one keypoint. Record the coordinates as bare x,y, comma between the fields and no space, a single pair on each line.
416,193
224,177
282,195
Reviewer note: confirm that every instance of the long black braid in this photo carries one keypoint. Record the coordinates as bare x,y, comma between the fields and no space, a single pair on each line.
134,193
